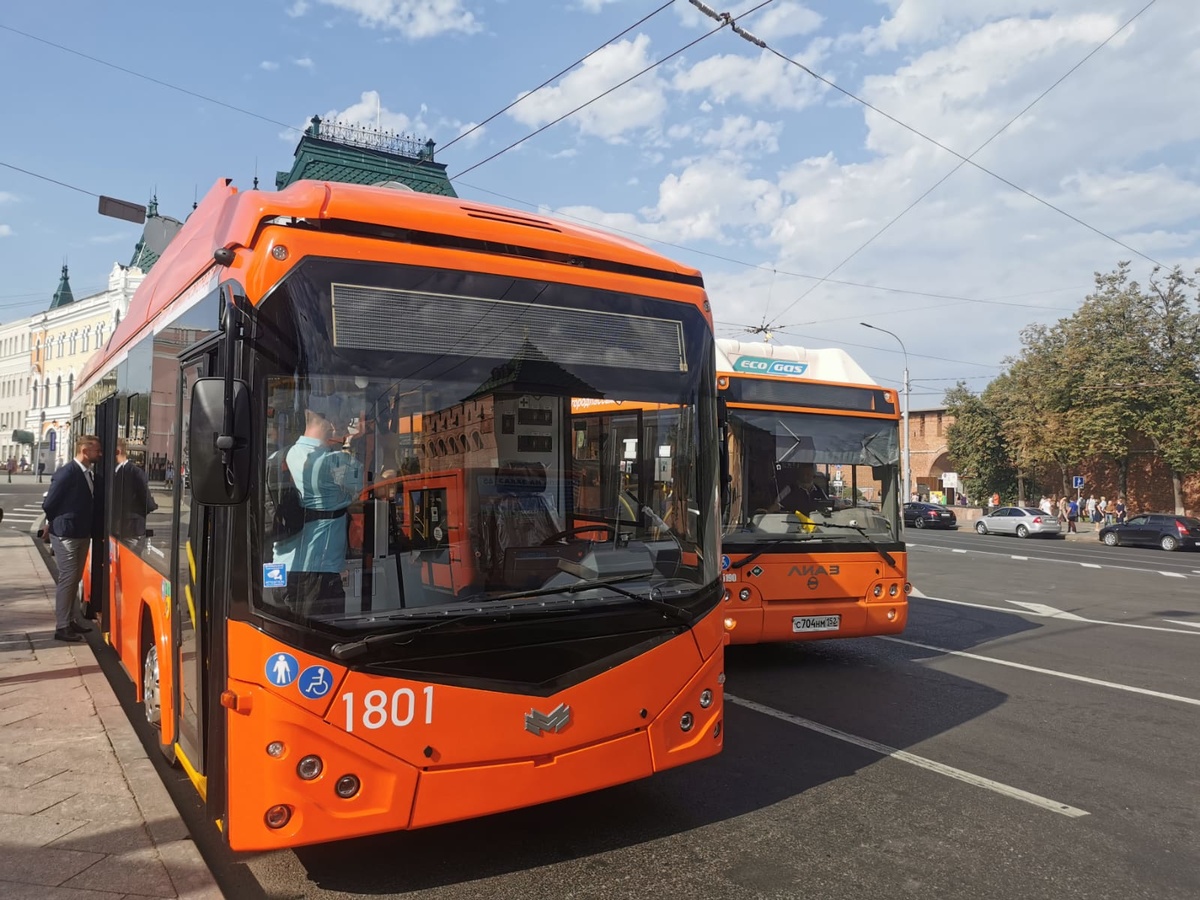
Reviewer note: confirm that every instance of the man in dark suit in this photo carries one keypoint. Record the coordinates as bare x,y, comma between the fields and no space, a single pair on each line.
131,497
68,507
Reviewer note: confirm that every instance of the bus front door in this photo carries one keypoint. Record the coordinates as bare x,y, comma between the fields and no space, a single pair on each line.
190,620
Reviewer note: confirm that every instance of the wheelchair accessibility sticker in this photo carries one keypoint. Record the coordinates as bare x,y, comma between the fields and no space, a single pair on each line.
315,682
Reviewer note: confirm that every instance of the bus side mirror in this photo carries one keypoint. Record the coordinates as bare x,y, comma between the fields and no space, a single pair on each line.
219,463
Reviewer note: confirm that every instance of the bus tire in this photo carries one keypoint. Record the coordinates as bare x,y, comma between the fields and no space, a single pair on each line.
151,690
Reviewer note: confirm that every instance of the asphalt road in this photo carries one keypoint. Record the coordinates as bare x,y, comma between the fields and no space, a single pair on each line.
1032,734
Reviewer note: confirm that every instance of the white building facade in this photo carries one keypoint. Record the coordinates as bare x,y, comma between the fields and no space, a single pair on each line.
60,340
14,389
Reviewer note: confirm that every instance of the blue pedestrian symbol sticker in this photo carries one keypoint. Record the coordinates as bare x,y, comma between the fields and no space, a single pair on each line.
274,575
315,682
282,669
724,562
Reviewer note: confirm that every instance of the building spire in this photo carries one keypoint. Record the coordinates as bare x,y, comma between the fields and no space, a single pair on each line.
152,206
63,295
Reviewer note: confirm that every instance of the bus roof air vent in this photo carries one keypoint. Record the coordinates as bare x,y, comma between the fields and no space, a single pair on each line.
497,215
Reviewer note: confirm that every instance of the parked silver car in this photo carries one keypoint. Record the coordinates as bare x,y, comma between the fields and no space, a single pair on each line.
1019,521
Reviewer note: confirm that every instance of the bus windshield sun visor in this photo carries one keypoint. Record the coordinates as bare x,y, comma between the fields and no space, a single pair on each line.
475,326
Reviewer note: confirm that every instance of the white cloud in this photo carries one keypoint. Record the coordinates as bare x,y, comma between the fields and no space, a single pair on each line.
414,18
704,201
6,197
268,66
763,79
297,9
638,105
304,63
740,137
594,6
783,19
369,111
6,231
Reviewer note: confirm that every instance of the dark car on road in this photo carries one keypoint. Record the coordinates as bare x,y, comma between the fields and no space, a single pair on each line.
1154,530
929,515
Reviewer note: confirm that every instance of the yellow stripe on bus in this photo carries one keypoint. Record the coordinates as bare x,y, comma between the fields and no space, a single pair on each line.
200,781
191,561
187,592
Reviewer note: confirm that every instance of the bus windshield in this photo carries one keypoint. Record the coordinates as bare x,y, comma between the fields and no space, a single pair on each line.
811,477
439,440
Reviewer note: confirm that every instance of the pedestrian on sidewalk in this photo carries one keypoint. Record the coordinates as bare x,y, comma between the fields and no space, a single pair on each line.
1072,517
68,508
11,465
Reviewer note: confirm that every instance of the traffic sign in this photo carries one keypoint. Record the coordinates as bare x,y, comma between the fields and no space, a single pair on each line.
1077,482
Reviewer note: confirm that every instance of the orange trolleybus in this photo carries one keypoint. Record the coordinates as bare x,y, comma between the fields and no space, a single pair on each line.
812,545
397,581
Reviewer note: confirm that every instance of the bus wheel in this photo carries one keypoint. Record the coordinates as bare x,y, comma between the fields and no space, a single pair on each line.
151,700
152,696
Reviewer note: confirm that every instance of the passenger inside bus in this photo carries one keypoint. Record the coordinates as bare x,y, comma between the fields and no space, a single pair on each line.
327,479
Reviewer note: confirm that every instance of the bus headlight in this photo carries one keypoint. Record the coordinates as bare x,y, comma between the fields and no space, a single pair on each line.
878,592
744,594
278,816
309,767
705,698
893,590
347,786
686,721
275,749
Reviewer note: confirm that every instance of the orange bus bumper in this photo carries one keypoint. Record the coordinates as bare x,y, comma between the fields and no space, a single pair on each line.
773,621
397,794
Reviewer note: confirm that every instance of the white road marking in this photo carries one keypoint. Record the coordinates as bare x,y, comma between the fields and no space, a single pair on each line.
911,758
1038,669
1182,622
1026,558
956,550
1050,559
1049,611
1172,574
1016,612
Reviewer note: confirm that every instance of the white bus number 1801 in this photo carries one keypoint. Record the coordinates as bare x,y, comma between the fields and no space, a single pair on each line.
378,710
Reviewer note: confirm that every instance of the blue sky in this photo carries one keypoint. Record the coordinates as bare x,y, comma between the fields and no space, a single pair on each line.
744,165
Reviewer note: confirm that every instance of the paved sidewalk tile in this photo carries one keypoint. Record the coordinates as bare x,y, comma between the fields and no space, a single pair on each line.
83,814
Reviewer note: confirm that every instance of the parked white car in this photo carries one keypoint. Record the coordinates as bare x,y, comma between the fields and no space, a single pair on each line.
1018,520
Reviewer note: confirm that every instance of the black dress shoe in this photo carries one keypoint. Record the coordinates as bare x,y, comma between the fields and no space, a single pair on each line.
70,637
77,628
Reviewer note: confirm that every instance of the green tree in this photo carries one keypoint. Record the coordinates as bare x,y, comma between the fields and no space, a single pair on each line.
975,441
1171,383
1107,340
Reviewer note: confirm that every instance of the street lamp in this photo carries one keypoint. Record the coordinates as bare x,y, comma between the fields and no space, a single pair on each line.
907,475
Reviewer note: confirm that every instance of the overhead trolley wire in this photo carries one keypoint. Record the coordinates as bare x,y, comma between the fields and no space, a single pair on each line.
965,160
602,95
558,74
150,78
638,235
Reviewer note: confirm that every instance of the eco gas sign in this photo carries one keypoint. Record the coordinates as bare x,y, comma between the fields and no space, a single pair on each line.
760,366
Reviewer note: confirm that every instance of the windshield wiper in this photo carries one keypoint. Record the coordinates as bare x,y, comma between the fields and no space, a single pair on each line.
676,612
764,543
866,537
585,585
353,649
